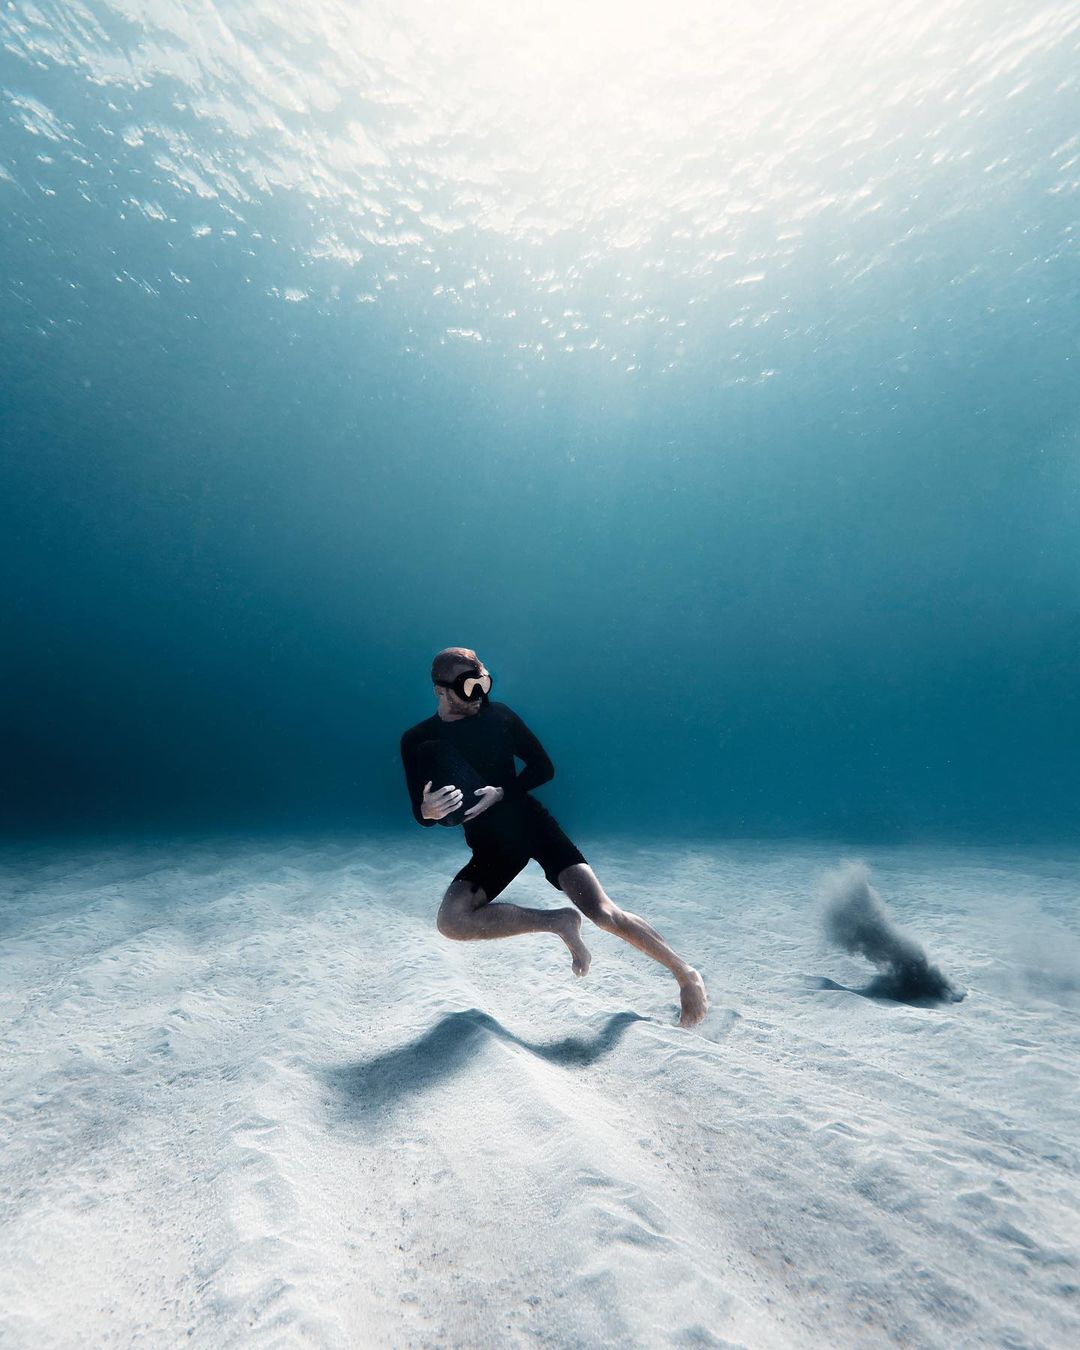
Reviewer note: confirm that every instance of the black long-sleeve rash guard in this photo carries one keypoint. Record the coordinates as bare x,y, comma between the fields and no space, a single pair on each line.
489,740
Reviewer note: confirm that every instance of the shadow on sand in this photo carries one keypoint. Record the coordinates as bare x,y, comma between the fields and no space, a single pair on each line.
890,988
371,1087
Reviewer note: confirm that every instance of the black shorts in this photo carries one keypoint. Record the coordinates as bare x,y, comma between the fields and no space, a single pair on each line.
503,845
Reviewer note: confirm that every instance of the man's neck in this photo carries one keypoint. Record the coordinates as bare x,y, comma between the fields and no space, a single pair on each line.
457,717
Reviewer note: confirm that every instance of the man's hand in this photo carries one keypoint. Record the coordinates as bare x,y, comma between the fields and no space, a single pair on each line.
488,797
438,804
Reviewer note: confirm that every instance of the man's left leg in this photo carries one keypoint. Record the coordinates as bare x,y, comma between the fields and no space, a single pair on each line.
582,885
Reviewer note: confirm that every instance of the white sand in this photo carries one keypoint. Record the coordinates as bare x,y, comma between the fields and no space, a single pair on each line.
253,1098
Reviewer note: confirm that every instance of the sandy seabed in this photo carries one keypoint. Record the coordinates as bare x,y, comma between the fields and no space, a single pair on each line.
252,1097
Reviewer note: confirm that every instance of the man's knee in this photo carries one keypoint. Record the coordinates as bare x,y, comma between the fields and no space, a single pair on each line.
451,918
459,902
581,885
448,924
603,912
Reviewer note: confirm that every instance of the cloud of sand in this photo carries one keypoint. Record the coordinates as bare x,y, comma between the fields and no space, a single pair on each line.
857,920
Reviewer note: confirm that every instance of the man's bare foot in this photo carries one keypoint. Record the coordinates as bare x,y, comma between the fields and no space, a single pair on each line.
569,930
695,1001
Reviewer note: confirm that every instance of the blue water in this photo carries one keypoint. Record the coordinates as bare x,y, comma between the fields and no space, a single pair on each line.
712,374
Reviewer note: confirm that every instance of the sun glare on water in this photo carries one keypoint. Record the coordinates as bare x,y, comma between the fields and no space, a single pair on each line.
557,175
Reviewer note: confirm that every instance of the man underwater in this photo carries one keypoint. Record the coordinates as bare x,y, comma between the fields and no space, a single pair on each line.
470,741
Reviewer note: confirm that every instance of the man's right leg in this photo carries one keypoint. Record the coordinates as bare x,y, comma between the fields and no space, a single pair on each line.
582,885
466,915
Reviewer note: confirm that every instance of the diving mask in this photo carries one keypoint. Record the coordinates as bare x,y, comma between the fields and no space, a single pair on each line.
470,684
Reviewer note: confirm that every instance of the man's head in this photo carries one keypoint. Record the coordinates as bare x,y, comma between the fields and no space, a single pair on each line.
445,669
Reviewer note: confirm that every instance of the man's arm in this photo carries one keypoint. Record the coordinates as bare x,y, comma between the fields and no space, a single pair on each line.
413,778
538,766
